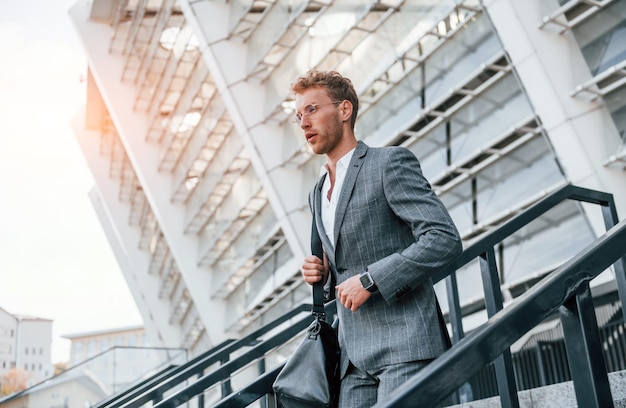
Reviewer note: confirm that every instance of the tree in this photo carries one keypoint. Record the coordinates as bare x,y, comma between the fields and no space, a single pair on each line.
14,381
59,368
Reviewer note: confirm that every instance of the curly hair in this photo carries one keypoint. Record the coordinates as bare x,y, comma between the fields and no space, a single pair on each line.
339,88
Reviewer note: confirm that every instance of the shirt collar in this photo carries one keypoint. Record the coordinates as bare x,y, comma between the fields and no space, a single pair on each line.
343,162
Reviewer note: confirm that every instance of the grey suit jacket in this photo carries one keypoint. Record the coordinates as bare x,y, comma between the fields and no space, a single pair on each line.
390,222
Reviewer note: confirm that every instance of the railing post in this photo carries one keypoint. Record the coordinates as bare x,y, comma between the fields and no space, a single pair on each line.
270,400
157,396
493,302
609,213
584,351
227,388
261,369
541,366
465,393
201,400
454,308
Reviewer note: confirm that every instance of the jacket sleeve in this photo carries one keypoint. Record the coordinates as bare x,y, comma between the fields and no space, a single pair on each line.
436,240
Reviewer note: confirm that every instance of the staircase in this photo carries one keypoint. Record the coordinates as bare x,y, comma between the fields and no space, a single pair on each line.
561,395
564,293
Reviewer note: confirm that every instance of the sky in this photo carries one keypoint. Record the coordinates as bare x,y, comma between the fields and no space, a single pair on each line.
55,261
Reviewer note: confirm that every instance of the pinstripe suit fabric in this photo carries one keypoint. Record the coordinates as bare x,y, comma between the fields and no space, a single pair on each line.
389,221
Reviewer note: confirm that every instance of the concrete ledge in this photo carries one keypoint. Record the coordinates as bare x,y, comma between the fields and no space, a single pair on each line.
556,396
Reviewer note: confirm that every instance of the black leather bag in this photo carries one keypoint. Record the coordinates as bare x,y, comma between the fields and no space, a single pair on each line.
310,378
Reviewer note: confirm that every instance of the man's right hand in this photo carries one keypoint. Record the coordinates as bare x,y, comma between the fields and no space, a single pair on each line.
314,269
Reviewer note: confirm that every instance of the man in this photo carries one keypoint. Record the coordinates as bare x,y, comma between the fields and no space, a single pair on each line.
384,233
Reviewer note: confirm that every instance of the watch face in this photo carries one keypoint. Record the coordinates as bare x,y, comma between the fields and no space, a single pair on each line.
366,280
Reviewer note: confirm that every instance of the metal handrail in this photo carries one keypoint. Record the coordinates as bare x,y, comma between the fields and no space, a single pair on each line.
226,370
154,390
251,392
155,379
567,290
257,352
499,234
164,371
482,248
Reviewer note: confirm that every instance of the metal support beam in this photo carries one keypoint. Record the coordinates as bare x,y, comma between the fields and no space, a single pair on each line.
584,351
609,214
493,302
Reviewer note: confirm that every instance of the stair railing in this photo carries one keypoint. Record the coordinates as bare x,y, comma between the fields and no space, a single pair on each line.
565,290
155,379
482,249
154,390
256,353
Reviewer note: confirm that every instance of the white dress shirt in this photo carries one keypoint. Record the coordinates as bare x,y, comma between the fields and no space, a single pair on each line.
329,207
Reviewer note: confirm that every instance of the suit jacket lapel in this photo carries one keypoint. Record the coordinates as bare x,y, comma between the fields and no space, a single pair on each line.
348,186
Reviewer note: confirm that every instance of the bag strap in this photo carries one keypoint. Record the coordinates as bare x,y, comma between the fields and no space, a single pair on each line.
318,287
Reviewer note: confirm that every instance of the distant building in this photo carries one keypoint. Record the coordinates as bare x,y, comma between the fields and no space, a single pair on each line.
89,344
119,356
8,333
101,363
25,344
74,390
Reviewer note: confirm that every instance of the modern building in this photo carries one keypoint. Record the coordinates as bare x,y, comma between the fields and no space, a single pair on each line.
92,380
202,179
8,332
25,345
101,363
118,357
84,346
74,390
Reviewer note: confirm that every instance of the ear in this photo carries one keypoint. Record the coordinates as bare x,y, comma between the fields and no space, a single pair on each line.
345,109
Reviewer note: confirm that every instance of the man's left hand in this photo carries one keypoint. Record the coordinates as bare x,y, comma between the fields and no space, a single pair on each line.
351,293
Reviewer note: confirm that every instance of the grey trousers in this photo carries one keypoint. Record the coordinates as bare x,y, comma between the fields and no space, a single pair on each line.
363,388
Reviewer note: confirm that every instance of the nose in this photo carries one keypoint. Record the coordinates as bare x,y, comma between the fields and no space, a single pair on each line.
305,122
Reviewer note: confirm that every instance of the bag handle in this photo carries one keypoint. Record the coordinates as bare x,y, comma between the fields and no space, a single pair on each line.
318,287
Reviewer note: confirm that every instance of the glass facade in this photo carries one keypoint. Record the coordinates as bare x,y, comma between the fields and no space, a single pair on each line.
210,179
602,41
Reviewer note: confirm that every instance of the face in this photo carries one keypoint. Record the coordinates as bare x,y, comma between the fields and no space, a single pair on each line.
324,128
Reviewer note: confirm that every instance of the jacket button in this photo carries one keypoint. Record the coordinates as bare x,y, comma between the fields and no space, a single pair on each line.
341,270
402,291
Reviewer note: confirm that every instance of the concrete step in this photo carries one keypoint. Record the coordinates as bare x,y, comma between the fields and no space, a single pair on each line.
555,396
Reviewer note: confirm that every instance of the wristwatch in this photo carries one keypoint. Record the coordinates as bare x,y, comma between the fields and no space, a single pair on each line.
367,282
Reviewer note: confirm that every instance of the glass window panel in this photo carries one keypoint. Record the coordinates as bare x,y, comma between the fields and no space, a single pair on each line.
447,68
602,38
526,254
469,283
432,152
474,127
517,176
459,204
529,170
402,105
399,33
488,117
616,104
567,235
451,65
266,271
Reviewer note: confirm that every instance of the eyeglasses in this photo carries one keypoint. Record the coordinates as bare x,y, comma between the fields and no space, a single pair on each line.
309,110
